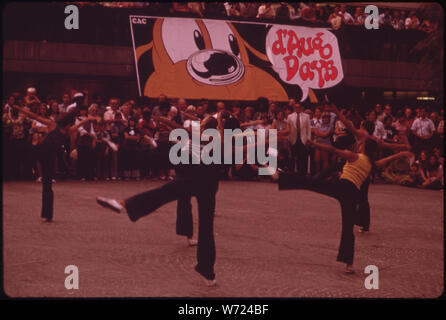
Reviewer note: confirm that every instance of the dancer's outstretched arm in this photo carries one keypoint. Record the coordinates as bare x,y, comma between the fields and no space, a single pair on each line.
167,121
48,122
385,161
347,123
392,146
190,116
82,122
345,154
362,133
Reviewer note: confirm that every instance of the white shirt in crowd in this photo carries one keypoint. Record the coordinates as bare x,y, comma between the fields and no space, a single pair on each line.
266,12
109,114
305,127
347,16
7,108
379,132
63,108
409,22
82,130
423,127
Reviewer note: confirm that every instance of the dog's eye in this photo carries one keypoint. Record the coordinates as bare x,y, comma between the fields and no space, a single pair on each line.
233,44
222,37
180,39
199,41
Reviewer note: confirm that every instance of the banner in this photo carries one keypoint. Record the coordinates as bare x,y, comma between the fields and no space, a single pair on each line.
216,59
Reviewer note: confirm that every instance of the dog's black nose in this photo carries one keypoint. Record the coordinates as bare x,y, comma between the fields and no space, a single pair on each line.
218,64
215,66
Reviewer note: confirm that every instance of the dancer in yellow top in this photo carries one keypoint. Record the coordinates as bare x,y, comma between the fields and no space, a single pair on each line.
346,190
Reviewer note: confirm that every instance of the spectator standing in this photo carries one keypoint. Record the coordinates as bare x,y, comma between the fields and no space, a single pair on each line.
316,120
335,19
309,13
53,112
359,16
102,151
345,15
322,133
197,8
283,12
115,128
85,146
412,21
379,131
17,122
300,133
147,129
162,140
266,11
31,97
78,101
111,111
231,9
423,128
440,129
248,10
385,19
342,139
130,150
386,113
9,105
391,133
397,22
402,128
283,145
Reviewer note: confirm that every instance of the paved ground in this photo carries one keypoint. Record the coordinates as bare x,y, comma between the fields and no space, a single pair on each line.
269,244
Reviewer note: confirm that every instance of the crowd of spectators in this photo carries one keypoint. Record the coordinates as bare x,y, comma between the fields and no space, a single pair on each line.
333,15
123,140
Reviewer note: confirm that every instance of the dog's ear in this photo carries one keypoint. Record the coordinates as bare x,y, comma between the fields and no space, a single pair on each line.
245,31
143,49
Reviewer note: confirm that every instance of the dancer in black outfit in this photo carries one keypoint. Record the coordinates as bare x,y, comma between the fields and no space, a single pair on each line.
184,222
193,180
361,135
54,141
346,190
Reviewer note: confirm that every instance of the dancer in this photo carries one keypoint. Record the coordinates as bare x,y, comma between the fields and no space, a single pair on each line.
361,135
58,131
195,180
184,221
346,190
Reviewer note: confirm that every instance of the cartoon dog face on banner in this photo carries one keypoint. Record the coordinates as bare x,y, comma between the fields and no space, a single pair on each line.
205,58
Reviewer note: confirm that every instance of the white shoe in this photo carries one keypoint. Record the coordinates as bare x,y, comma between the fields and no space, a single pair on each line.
210,283
39,179
362,230
192,242
110,204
